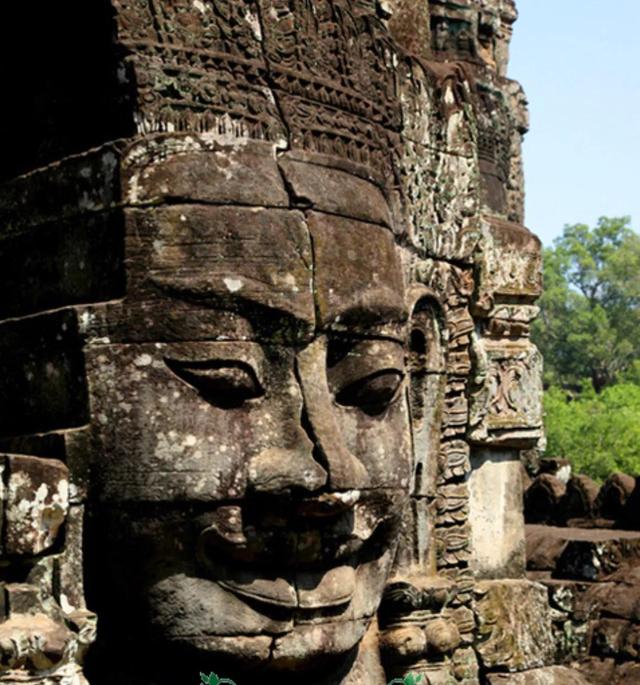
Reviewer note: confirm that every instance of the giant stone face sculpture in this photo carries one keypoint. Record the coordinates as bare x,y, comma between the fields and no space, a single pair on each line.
265,372
254,465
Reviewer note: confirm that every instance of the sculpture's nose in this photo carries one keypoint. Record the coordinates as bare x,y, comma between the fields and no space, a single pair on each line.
344,470
316,455
276,470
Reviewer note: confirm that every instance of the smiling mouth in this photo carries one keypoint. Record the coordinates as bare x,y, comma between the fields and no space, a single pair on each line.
303,556
295,590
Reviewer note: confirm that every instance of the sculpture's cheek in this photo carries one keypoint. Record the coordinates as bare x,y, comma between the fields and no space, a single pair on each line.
158,439
381,443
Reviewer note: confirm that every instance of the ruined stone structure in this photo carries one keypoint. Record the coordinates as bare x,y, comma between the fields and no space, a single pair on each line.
266,374
583,546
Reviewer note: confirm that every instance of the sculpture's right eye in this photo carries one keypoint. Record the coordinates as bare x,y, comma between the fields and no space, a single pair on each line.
372,394
225,384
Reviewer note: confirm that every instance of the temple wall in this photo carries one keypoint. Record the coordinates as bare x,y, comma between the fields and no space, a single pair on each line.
443,137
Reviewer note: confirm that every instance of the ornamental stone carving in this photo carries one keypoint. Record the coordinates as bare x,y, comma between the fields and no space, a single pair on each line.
266,351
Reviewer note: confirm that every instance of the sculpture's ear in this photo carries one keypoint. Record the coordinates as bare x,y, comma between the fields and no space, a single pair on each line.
427,367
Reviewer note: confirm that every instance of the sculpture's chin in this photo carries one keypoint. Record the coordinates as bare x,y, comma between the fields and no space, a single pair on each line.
305,647
212,623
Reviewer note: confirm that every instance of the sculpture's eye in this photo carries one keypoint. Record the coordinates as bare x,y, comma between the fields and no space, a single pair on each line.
225,384
372,394
366,374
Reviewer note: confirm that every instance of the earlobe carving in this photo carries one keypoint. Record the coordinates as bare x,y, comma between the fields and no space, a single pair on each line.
427,368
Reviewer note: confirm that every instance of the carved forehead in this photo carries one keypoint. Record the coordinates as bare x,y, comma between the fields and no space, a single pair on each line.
167,169
322,270
239,228
221,255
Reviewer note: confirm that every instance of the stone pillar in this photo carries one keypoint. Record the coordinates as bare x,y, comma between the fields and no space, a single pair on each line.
462,170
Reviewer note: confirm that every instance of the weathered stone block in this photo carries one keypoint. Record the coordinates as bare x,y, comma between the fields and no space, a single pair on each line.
506,407
409,25
173,168
335,192
594,555
36,500
510,264
598,671
614,495
35,641
631,645
69,565
554,675
42,383
514,625
630,518
579,502
542,499
63,263
442,189
465,666
609,635
344,250
214,254
620,596
628,674
571,626
511,320
545,545
81,184
22,598
197,271
496,517
50,445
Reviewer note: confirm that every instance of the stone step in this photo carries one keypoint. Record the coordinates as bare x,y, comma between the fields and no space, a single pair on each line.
581,554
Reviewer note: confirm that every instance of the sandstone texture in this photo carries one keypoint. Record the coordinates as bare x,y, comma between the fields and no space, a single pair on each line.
267,382
582,544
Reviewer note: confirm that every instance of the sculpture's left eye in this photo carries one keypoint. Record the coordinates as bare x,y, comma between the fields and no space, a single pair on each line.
366,374
225,384
372,394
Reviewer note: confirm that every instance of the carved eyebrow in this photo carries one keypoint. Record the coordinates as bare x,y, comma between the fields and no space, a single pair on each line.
225,300
367,357
198,353
387,313
256,309
373,308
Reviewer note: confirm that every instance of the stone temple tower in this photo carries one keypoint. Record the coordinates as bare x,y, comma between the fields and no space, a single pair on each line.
266,375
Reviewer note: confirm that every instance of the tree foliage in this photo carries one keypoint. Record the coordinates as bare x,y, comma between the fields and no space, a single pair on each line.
598,433
589,326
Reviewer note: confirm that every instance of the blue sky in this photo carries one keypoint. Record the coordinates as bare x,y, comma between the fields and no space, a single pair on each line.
579,62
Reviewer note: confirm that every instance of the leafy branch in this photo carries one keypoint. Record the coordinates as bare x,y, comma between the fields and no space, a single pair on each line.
213,679
407,680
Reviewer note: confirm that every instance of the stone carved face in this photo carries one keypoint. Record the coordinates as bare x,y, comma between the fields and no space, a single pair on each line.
251,444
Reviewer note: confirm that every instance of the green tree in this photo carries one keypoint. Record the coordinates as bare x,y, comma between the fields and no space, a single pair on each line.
598,433
589,326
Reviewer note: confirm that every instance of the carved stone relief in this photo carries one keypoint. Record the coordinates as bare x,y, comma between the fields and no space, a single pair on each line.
259,348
